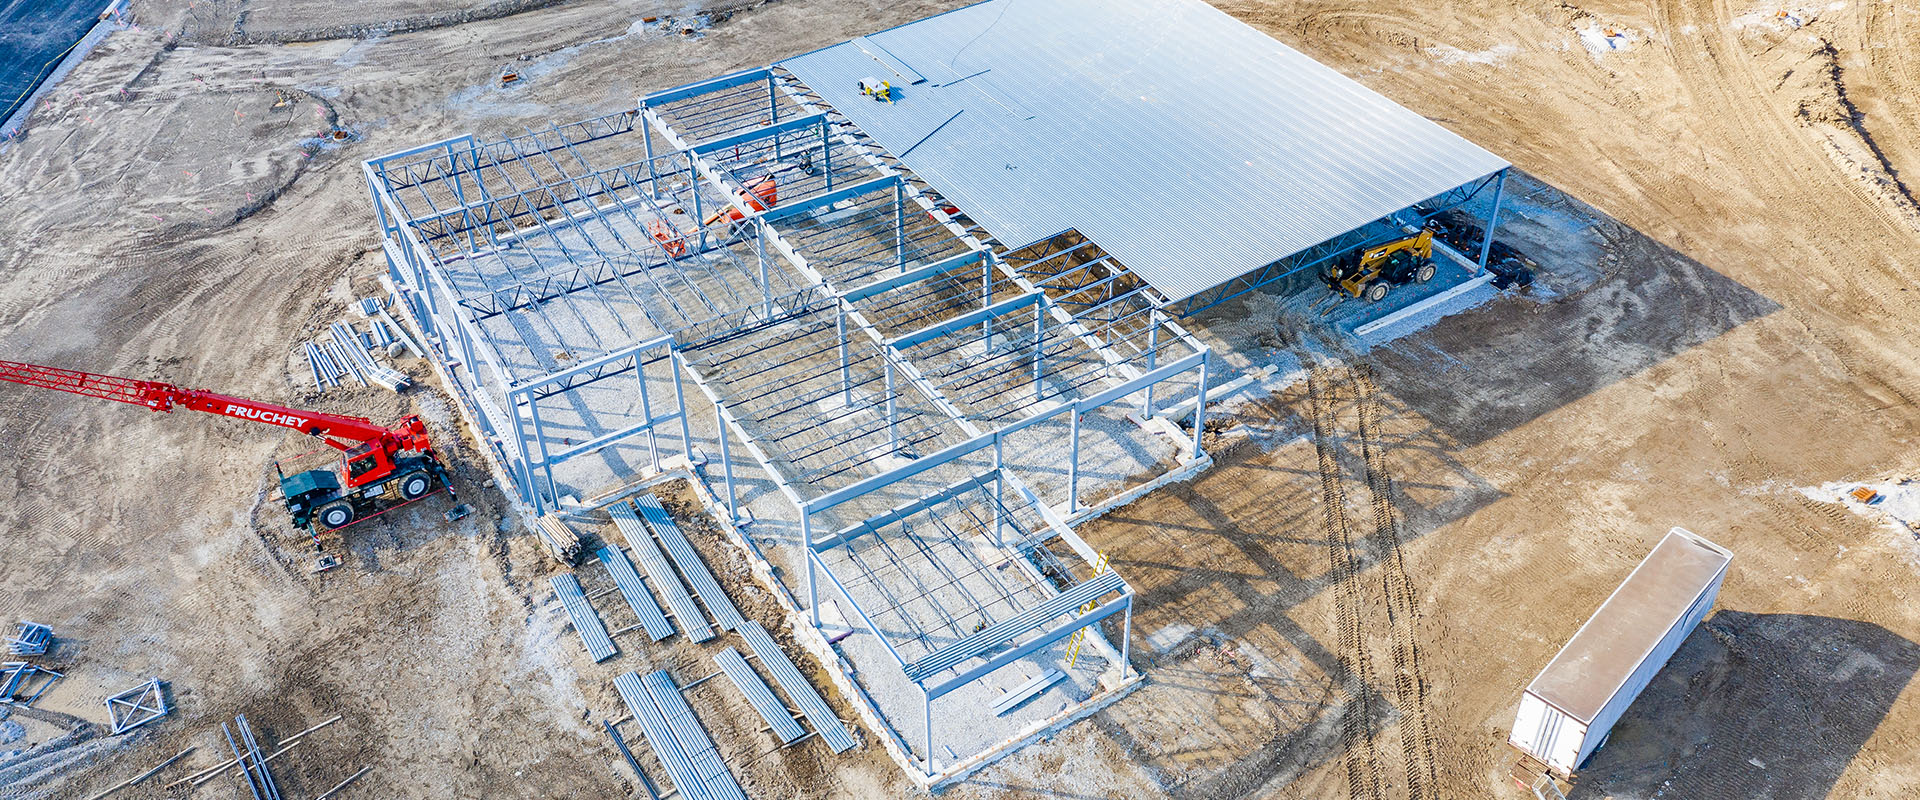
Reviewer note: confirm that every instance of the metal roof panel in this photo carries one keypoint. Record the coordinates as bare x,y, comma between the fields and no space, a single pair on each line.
1191,147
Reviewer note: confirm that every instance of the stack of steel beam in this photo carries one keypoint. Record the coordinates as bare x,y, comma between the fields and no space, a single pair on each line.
400,334
381,336
252,763
326,372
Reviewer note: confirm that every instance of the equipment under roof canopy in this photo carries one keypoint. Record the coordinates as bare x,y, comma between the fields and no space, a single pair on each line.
1189,146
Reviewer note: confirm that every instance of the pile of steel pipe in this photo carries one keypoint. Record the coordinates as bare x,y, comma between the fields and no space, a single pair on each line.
401,334
326,371
354,353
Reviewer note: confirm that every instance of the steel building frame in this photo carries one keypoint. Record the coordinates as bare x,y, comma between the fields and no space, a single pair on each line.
852,334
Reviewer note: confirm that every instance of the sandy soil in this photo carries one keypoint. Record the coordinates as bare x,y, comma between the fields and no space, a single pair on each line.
1732,321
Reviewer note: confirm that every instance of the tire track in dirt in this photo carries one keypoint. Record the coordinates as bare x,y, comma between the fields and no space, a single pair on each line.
1358,735
1410,684
1374,769
1720,77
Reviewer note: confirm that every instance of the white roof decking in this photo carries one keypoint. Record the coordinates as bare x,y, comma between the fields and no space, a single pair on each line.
1189,146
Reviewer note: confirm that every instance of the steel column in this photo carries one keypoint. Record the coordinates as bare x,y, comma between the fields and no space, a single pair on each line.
540,440
646,409
999,494
826,152
726,468
846,358
760,254
1493,218
699,214
1039,347
1200,403
813,591
899,226
680,408
653,173
1153,351
1073,460
893,420
986,298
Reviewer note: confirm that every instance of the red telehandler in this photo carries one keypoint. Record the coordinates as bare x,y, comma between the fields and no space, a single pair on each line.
380,468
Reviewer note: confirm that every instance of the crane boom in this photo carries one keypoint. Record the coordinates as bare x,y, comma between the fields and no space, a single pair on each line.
160,396
380,468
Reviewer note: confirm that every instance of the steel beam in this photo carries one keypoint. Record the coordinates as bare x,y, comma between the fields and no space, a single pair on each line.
965,321
826,199
708,86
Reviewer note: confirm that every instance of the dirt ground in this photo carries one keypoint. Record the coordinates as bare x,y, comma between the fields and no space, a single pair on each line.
1348,604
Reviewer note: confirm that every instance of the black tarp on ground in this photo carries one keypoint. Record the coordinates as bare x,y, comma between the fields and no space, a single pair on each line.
33,36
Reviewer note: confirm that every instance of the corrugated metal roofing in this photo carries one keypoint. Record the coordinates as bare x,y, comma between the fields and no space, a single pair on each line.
760,695
586,621
811,704
1188,145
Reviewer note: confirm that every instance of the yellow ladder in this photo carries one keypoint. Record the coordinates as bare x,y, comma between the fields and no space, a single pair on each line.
1080,636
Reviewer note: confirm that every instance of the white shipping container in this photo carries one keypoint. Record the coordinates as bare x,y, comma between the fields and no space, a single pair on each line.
1571,706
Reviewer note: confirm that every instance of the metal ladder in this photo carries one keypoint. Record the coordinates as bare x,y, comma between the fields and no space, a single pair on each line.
1080,636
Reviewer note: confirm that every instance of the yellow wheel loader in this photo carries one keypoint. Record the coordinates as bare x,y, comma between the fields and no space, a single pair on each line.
1371,273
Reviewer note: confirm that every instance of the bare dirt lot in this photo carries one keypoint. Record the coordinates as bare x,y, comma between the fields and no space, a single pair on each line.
1738,323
